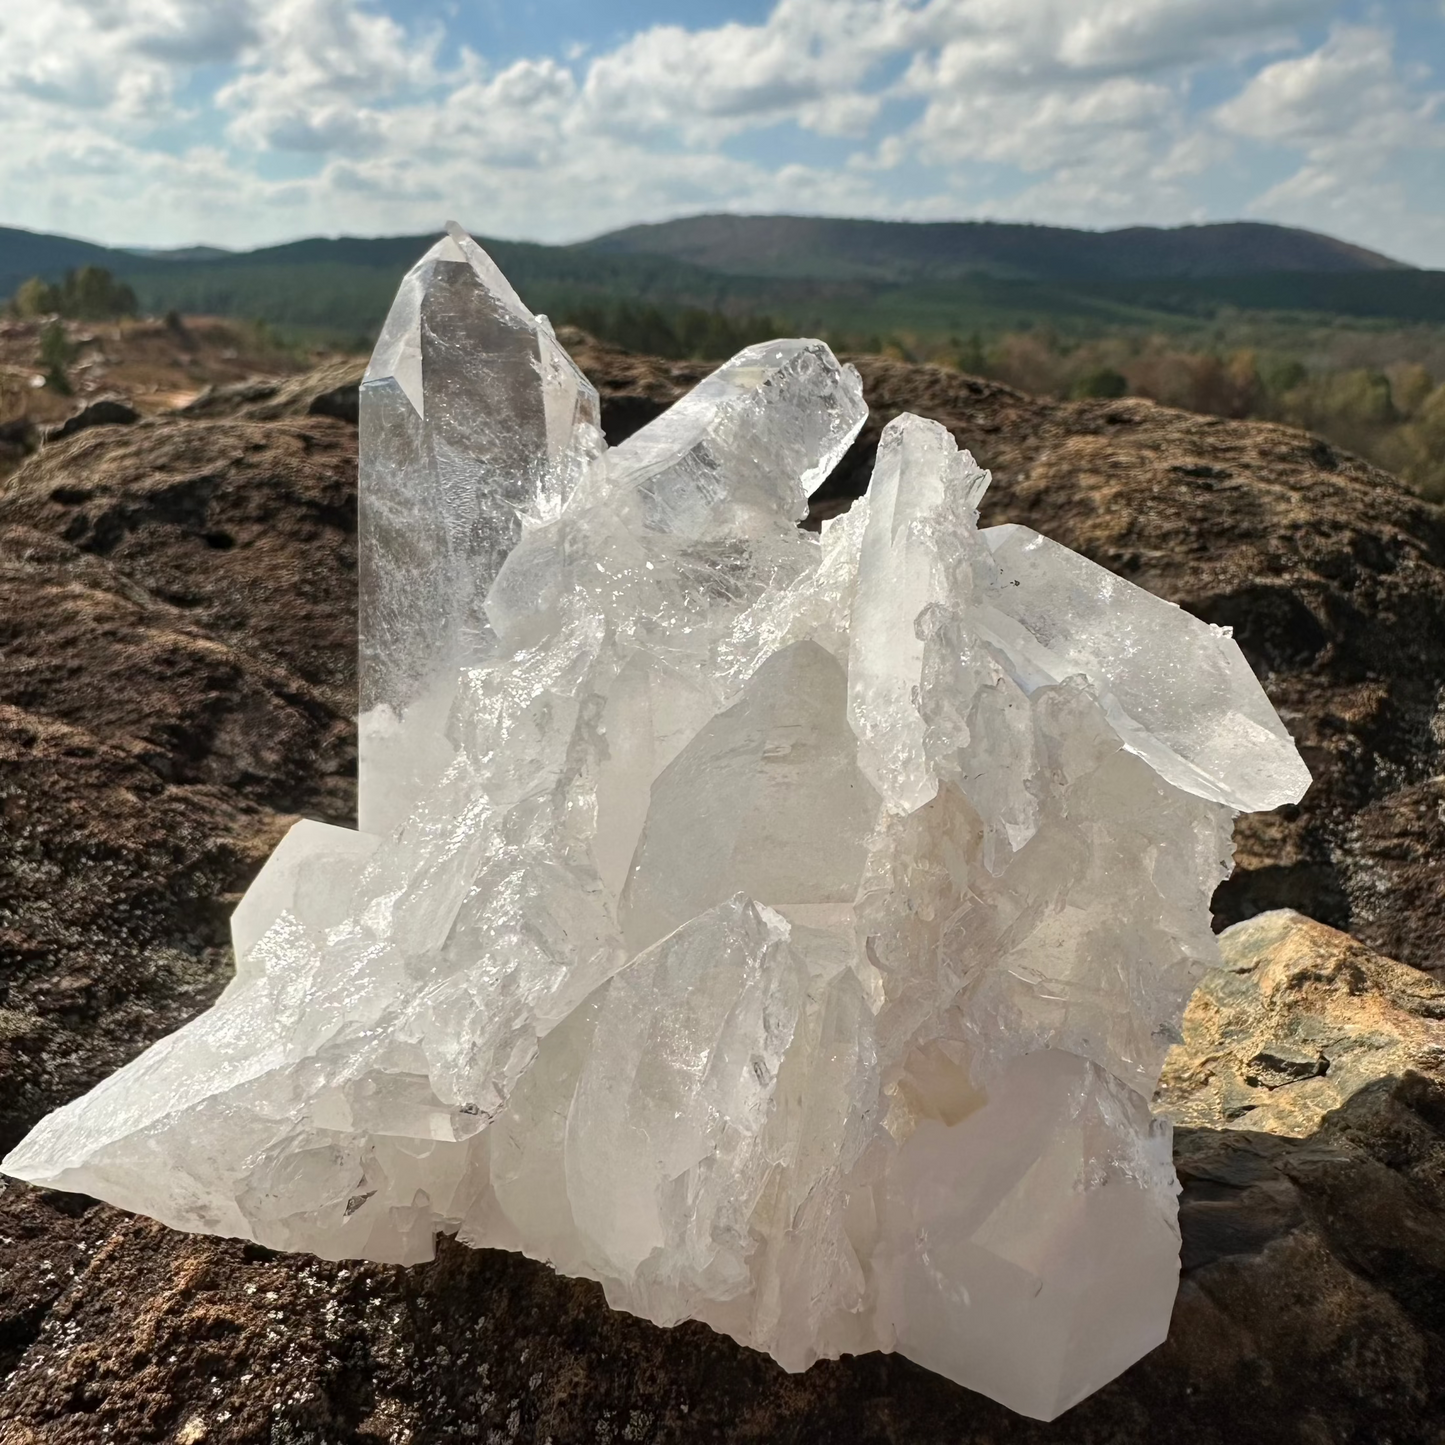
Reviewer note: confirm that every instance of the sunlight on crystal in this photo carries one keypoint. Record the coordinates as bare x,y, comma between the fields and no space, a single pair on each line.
785,931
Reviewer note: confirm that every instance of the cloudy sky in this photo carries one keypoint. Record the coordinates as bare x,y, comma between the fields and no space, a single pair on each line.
242,122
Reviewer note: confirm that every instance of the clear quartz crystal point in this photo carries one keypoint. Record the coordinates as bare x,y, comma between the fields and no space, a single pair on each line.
784,930
475,424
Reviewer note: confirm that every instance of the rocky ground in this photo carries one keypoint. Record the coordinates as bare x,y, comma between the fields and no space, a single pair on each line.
176,640
151,365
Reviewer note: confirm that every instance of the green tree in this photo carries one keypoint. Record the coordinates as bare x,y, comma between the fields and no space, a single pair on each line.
93,294
36,297
1283,374
1424,446
89,294
969,356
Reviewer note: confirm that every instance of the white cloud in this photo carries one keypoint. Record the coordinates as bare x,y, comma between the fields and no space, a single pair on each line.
118,58
806,63
316,72
1089,103
1155,33
1346,97
1073,111
1351,114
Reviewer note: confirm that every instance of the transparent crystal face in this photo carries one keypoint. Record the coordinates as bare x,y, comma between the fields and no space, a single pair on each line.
784,930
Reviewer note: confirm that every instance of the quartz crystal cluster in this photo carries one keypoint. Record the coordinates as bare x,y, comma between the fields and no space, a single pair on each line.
784,930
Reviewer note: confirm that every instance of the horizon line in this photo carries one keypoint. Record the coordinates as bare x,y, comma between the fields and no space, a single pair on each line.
439,230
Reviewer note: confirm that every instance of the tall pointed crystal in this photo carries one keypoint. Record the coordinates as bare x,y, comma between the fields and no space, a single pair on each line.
475,424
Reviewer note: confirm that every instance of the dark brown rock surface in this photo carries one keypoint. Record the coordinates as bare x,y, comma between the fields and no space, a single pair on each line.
330,390
177,625
176,645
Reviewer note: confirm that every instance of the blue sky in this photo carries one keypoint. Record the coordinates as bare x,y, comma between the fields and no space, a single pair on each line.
244,122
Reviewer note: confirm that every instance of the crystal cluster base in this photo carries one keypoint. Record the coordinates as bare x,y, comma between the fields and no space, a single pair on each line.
783,930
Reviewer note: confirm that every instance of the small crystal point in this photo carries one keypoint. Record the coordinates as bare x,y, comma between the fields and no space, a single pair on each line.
782,930
921,501
1178,690
746,447
311,874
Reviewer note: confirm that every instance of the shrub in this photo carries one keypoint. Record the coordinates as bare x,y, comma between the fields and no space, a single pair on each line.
1030,361
1101,381
57,351
1423,438
1347,405
969,356
1284,375
1410,385
36,298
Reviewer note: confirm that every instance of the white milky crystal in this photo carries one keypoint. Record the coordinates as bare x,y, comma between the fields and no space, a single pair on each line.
311,874
784,930
1177,690
920,503
767,800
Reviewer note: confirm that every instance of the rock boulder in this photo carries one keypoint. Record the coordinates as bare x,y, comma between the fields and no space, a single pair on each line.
177,605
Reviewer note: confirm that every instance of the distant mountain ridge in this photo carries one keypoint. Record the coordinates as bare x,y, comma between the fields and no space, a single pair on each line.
813,276
33,253
826,248
815,248
24,254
